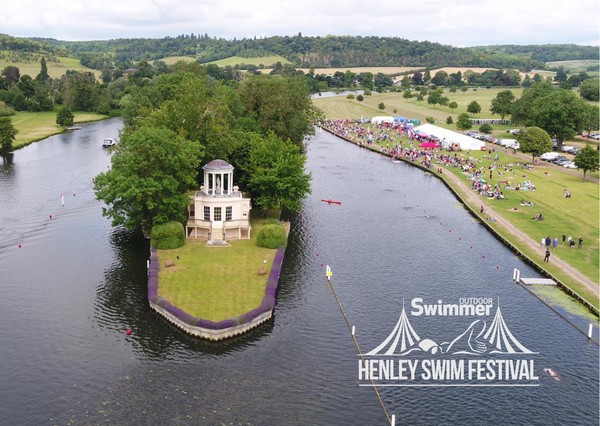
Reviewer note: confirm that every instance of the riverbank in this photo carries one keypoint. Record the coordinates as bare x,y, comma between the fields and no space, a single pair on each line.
215,292
567,275
36,126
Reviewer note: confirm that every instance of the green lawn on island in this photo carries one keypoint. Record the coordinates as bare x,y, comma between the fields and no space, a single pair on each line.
575,216
34,126
216,283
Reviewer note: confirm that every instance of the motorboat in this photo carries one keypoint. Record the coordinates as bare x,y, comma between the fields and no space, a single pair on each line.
108,142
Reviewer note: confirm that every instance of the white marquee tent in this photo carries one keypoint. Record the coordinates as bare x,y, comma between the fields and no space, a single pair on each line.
448,137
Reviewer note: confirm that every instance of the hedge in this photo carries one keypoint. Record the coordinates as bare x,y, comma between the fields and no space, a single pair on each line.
167,236
271,236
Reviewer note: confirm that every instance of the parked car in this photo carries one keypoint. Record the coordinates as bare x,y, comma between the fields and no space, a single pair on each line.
560,158
567,148
561,161
515,132
549,156
595,136
570,165
574,151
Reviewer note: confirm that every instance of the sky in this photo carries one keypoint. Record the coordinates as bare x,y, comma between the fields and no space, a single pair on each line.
457,23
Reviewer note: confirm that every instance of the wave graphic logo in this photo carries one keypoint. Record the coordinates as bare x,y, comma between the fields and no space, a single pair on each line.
475,340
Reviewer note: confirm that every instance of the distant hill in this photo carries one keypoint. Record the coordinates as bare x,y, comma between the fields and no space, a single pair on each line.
320,52
545,52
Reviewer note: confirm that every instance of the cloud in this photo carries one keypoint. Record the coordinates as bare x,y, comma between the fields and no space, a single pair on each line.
469,23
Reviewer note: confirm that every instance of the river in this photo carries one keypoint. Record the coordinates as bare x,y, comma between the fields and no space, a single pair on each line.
76,284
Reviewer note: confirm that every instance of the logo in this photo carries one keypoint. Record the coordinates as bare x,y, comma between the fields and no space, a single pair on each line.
457,359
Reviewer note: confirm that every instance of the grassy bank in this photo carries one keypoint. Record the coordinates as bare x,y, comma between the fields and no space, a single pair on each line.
35,126
216,283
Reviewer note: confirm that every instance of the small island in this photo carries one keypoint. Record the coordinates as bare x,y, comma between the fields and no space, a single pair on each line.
219,281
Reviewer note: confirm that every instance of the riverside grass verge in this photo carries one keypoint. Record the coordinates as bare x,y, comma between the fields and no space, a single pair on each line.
36,126
580,217
216,283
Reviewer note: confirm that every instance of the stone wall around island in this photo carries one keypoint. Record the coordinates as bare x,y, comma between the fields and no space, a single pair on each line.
207,329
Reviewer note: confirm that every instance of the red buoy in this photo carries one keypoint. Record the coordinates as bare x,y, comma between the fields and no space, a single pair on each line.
317,254
19,245
73,195
128,332
450,230
50,216
321,264
484,255
497,267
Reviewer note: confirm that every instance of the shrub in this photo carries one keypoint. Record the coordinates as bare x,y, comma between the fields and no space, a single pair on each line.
449,120
430,120
360,98
350,96
5,110
486,128
381,106
167,236
271,236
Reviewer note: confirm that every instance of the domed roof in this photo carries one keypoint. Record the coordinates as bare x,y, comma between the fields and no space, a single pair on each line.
218,165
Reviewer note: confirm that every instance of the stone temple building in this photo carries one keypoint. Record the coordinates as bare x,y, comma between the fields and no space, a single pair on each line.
218,211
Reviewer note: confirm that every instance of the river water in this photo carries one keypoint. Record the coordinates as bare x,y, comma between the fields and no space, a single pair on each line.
76,285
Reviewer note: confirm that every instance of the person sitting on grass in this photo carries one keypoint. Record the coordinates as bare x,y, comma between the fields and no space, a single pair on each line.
538,216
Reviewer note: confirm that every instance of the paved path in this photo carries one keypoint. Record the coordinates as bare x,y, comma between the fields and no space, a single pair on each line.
527,157
474,199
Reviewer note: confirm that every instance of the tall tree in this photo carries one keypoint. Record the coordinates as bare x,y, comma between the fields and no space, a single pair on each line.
590,89
64,117
152,168
502,103
275,173
535,141
281,105
11,74
587,160
7,135
464,122
561,113
474,108
453,105
43,75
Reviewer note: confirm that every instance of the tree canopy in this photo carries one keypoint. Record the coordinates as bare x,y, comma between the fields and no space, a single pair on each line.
7,135
535,141
474,108
587,159
590,89
502,103
464,122
275,173
152,168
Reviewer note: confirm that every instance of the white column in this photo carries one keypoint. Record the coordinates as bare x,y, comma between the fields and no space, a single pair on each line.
222,183
205,182
231,182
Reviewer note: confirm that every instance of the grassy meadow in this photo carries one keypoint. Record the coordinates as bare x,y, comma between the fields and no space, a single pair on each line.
55,69
170,60
340,107
265,60
34,126
576,66
223,285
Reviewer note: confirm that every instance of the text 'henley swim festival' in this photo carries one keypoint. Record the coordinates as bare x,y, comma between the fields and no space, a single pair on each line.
477,355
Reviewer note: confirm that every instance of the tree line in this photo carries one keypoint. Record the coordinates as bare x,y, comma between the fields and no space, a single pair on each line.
329,51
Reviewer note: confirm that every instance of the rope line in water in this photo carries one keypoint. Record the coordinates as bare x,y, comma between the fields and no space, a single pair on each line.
360,353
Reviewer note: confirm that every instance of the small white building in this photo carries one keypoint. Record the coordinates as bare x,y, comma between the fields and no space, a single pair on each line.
218,211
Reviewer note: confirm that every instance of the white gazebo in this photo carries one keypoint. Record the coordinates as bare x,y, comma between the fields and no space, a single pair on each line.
219,211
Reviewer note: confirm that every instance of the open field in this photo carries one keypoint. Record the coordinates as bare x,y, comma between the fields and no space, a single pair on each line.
358,70
223,284
340,107
576,216
34,126
576,66
55,70
170,60
265,60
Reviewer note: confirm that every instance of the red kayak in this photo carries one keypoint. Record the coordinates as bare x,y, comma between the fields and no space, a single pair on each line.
331,201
